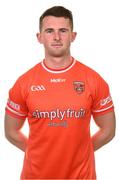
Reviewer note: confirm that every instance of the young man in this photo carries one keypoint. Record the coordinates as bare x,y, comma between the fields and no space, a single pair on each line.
58,96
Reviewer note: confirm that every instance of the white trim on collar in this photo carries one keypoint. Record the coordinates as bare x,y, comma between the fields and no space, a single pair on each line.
58,71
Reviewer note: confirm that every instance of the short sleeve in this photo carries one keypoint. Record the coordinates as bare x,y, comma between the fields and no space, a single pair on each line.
16,104
102,100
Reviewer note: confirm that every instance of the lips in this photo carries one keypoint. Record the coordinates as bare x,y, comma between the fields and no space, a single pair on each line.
57,45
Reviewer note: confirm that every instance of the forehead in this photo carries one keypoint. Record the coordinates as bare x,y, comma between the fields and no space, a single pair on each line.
55,22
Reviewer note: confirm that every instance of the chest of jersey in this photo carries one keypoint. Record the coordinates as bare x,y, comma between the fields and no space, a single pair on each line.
59,108
59,94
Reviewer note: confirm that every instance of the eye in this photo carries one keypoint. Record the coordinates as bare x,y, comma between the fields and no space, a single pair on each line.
63,30
49,30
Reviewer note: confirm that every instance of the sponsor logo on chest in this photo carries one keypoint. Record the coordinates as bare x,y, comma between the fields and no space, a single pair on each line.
57,80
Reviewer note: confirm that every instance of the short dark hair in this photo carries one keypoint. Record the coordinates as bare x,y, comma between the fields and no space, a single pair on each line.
57,11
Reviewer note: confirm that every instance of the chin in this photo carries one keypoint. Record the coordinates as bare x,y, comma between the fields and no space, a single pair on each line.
58,54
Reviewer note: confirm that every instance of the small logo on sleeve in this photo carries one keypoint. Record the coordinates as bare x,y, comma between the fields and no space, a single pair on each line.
13,105
105,101
79,86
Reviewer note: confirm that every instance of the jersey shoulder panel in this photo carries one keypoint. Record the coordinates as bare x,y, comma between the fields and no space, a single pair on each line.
99,89
16,105
92,77
87,70
30,74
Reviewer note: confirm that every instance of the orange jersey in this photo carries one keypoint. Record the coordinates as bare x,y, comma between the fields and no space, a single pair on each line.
59,105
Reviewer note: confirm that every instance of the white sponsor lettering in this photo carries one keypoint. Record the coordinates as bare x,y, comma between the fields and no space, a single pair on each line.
56,124
69,113
57,80
105,101
13,105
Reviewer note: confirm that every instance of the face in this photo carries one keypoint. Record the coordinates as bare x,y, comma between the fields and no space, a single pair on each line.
56,36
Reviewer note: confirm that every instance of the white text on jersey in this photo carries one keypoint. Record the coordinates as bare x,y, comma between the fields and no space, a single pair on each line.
105,101
57,80
37,88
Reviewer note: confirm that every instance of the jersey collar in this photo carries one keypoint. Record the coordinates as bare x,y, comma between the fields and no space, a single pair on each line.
59,70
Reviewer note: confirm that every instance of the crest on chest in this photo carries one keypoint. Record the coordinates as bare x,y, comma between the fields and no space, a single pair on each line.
79,86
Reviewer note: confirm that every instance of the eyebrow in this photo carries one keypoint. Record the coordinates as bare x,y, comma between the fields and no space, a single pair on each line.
47,29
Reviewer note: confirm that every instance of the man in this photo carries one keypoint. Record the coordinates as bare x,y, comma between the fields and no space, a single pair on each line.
58,96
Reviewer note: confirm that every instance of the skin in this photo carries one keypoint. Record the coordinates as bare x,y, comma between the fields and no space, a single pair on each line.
13,132
56,36
106,133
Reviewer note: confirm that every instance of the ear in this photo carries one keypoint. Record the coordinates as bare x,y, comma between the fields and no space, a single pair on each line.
38,35
73,36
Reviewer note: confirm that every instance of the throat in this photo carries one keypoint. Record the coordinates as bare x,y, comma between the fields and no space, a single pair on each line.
57,63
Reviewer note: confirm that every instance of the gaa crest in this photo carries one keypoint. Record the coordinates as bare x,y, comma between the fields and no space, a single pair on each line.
79,86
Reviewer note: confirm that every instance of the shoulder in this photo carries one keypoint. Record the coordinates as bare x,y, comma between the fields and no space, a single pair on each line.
87,71
30,72
93,79
29,75
23,83
25,80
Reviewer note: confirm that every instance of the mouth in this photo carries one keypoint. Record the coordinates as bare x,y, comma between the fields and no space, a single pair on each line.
57,45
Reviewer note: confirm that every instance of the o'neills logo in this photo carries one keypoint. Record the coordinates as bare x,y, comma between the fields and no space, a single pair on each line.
79,86
69,113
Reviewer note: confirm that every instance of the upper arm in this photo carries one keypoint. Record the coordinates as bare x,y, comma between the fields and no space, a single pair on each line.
12,124
16,104
106,122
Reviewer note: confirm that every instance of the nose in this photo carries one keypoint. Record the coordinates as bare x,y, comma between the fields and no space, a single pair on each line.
57,36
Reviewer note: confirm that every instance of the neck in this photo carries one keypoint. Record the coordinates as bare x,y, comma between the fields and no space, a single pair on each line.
58,62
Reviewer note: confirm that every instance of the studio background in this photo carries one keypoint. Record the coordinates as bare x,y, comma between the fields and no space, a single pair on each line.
96,45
